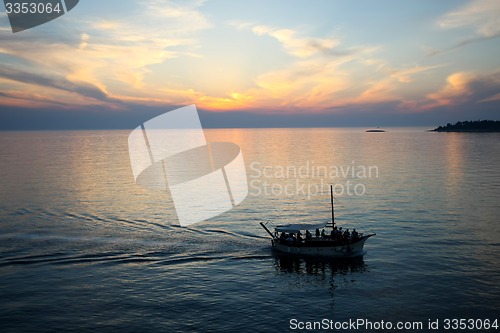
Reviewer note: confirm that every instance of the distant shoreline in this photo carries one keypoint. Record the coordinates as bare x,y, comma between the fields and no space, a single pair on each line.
478,126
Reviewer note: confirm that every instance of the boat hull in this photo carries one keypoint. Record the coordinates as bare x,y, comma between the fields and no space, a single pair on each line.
320,248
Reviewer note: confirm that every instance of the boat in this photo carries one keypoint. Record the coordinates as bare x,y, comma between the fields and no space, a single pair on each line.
336,243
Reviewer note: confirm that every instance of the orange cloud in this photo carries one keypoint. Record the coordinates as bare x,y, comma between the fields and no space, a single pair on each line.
462,88
455,90
235,101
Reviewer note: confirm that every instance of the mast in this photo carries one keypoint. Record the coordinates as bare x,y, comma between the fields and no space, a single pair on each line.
333,214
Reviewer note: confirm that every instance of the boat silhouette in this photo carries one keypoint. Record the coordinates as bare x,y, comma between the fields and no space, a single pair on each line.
288,239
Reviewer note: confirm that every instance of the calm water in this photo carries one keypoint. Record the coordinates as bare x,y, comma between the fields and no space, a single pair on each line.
83,248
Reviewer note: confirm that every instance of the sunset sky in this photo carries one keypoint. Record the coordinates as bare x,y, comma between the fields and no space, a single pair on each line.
254,63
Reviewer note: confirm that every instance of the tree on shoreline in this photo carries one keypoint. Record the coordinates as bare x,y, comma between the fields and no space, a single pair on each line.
471,126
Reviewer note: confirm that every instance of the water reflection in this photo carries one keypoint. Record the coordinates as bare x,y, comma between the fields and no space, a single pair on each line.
318,266
318,278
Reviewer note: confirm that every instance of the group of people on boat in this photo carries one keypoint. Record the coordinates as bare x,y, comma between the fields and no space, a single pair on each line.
336,235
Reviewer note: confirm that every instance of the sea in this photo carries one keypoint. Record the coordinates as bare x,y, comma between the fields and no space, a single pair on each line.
83,248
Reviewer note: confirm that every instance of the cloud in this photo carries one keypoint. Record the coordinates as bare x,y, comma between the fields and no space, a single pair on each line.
31,89
106,61
405,75
481,16
310,84
82,88
465,88
84,41
295,44
493,98
326,75
385,88
323,75
184,14
386,83
455,91
315,78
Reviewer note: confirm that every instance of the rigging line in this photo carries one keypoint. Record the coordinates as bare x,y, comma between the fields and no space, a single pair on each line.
359,222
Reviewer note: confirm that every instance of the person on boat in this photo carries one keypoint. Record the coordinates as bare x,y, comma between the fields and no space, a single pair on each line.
336,234
308,235
332,234
354,235
283,235
323,234
317,233
347,235
299,238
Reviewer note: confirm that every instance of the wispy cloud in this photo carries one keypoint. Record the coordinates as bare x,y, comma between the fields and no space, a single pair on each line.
183,15
295,45
405,75
386,88
482,17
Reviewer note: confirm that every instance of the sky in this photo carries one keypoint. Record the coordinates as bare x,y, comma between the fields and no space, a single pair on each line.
117,63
